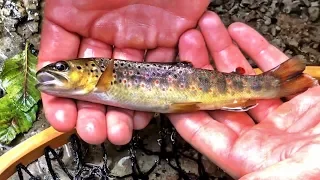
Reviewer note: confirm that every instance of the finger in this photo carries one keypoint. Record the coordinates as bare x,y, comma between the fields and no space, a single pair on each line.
227,58
291,112
120,125
193,49
265,55
301,166
161,54
120,121
58,44
91,122
141,119
236,121
209,137
307,121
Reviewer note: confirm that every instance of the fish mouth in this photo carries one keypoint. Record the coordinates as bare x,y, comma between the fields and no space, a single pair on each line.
47,79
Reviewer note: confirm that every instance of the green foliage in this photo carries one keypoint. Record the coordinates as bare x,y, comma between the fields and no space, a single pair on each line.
18,107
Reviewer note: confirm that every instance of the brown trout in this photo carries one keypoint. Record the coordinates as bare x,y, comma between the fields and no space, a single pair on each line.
168,87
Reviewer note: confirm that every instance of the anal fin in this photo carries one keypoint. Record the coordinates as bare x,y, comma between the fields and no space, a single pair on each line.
240,106
184,107
106,77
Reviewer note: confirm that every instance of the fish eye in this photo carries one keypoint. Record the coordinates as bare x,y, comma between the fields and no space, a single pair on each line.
61,66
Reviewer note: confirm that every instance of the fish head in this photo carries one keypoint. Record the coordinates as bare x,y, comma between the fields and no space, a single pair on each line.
68,78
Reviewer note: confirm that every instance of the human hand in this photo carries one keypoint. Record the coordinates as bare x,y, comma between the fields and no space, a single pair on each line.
84,28
284,144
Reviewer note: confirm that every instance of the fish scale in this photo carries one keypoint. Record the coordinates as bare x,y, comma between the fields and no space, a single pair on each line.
168,87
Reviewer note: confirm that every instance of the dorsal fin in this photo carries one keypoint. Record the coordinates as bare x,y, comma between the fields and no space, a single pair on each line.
106,77
184,64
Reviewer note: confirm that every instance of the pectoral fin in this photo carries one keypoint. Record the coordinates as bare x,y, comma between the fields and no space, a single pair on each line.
184,107
240,106
106,77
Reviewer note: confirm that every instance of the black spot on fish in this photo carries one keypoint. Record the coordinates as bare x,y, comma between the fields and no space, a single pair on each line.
237,84
91,70
138,73
87,64
121,64
222,84
256,85
114,71
103,67
92,65
97,76
111,83
115,82
116,65
175,76
79,67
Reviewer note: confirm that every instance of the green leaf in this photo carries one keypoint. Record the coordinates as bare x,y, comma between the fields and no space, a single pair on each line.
19,80
18,107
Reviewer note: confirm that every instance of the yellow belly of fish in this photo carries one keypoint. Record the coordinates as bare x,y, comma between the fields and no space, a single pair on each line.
176,99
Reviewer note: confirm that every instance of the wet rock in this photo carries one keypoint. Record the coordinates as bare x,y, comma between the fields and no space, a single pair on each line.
19,21
314,13
28,28
10,45
247,2
288,24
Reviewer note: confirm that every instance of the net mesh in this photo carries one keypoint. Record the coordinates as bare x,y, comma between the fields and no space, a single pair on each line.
170,150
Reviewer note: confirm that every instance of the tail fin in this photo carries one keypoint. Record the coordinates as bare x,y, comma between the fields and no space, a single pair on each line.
291,76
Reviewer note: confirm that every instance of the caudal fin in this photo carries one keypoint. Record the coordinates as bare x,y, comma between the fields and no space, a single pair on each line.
291,76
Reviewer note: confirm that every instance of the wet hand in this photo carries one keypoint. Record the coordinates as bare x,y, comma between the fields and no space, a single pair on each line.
84,28
275,139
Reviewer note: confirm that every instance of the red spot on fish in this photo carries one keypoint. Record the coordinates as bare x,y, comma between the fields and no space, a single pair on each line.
228,81
170,79
142,85
115,76
200,89
147,75
157,81
124,81
240,70
181,86
130,73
